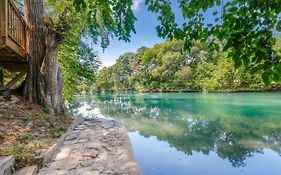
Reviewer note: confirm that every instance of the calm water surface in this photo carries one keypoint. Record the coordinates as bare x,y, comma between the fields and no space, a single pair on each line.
197,134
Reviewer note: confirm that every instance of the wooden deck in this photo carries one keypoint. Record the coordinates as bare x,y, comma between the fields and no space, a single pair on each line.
13,37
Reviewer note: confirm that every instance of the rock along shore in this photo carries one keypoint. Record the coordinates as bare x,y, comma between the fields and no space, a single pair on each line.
94,146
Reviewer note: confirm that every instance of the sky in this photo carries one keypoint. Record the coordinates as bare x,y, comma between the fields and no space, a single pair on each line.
146,35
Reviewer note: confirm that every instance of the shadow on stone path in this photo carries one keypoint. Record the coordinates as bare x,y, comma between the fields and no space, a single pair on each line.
96,146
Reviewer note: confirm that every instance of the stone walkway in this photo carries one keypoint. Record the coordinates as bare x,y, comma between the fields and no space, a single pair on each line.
96,146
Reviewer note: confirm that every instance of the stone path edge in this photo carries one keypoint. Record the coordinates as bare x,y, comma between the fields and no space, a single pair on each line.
131,164
52,151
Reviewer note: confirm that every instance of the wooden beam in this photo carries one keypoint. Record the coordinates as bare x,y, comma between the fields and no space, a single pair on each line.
11,44
14,66
15,80
4,18
2,41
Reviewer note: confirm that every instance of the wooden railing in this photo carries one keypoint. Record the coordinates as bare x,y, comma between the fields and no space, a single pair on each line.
16,25
13,24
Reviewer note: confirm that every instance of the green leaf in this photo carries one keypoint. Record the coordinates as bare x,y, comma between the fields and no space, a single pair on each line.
237,63
215,13
218,2
266,78
278,26
79,4
232,9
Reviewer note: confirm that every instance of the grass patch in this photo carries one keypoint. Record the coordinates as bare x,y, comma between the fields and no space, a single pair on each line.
51,120
47,110
23,156
58,131
25,138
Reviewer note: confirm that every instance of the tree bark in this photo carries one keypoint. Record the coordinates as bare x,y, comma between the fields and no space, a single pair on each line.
44,81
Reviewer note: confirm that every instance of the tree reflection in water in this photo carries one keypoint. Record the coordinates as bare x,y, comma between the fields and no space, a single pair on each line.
182,124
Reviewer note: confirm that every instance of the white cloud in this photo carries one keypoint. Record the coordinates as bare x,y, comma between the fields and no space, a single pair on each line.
136,5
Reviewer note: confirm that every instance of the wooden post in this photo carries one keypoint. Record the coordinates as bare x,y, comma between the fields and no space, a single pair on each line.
4,18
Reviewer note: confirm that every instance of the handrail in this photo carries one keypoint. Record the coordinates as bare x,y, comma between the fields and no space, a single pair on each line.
17,27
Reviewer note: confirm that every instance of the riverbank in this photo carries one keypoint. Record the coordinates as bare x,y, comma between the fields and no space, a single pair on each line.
28,130
277,89
197,133
36,137
93,146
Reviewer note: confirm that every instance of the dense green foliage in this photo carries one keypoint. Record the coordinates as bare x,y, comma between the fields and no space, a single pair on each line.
80,24
107,18
79,64
245,27
166,67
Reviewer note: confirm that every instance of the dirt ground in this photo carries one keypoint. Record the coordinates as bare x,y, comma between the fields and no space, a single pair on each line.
27,130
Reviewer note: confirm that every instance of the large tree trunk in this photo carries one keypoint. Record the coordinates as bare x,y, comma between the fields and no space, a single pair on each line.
44,81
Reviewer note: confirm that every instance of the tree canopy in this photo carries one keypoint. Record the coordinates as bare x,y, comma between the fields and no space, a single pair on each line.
243,28
166,67
79,24
96,18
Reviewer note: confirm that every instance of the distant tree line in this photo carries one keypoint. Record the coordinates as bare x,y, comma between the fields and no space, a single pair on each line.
167,67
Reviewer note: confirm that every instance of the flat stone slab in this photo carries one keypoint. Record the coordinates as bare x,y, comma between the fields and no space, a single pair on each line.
6,165
95,146
27,171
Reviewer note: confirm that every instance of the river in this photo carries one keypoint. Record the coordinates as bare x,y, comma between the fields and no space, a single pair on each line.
196,133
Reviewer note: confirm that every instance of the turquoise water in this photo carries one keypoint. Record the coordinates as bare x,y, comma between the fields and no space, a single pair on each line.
194,133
